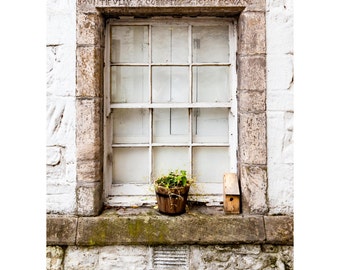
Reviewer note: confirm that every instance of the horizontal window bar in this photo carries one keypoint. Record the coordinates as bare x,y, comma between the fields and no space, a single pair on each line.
170,105
170,64
127,145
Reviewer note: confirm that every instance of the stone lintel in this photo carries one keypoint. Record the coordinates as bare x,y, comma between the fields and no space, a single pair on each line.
61,230
170,11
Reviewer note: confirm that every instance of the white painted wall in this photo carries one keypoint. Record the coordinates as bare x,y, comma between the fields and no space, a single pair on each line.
280,108
60,100
61,63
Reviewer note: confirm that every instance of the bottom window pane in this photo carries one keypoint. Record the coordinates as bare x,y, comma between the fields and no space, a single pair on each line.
170,158
130,165
210,163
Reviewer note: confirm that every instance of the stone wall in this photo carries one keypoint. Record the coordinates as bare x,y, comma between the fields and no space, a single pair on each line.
67,252
191,257
60,101
280,110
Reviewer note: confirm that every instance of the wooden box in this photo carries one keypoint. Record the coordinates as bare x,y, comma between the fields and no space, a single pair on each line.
231,194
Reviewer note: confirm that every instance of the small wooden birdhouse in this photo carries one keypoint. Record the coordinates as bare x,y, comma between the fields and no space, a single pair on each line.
231,194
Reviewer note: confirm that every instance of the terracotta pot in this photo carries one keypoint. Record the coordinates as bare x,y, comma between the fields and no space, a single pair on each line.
172,201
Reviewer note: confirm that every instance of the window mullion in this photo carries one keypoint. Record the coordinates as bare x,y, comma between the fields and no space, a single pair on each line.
190,99
150,109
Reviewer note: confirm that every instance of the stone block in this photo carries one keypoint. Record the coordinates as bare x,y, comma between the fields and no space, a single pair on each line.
280,137
254,189
60,70
77,258
279,229
252,33
251,101
89,198
61,230
89,129
281,188
251,72
89,170
53,155
60,119
280,100
89,71
90,29
280,72
54,258
153,228
280,27
252,138
61,27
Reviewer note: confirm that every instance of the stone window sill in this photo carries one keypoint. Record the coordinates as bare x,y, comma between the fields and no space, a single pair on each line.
146,226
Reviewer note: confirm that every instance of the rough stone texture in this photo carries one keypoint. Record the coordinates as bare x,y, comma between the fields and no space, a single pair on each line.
236,257
61,230
251,72
89,71
251,101
280,107
89,199
252,138
54,258
279,229
89,134
152,228
90,29
252,34
254,189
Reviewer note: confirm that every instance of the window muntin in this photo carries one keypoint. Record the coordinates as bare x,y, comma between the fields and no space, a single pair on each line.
162,114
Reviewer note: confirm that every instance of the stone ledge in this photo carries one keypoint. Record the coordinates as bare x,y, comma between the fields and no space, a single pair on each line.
147,227
61,230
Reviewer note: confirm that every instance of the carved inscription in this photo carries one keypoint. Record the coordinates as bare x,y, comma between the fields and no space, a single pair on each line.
166,3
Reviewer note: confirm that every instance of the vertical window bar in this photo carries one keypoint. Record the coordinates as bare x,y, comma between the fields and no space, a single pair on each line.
190,99
150,109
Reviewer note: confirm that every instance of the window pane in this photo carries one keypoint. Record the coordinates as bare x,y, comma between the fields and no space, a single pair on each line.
211,84
210,125
210,163
129,44
170,158
170,44
170,84
129,84
130,165
130,126
170,125
210,44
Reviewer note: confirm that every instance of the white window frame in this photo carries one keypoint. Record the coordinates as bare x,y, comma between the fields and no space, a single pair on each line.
143,194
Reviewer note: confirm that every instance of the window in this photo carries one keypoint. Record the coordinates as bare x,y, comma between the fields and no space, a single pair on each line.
170,104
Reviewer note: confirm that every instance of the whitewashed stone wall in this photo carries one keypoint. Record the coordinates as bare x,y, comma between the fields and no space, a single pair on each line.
280,110
60,100
61,63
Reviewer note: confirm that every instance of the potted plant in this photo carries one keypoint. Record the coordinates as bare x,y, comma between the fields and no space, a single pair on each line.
172,192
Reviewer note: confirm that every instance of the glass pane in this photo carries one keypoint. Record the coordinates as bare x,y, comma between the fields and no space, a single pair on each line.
210,163
130,165
129,84
129,44
170,125
170,158
210,44
170,84
170,44
130,125
211,84
210,125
